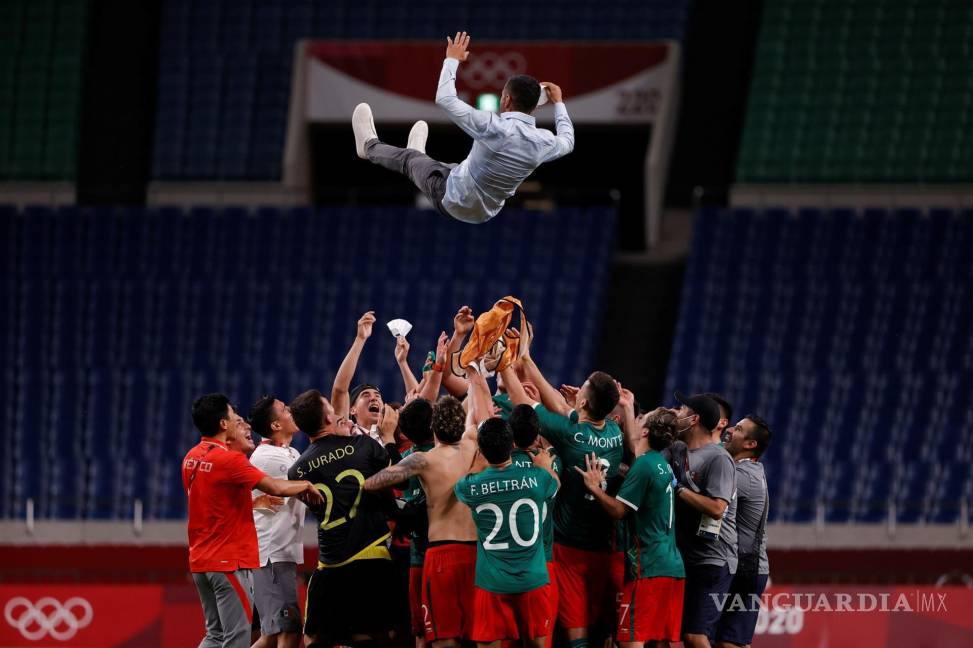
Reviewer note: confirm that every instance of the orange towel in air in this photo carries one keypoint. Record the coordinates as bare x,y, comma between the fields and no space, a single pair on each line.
489,338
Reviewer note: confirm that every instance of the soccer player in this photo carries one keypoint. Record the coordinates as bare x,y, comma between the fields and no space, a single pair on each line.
353,535
650,609
526,428
705,518
507,502
415,420
222,537
448,571
748,440
279,529
363,404
506,147
583,548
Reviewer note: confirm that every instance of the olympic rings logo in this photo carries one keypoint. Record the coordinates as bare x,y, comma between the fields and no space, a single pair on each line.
48,617
491,70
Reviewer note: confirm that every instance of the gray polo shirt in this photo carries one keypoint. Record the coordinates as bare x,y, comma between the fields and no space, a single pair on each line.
751,496
713,473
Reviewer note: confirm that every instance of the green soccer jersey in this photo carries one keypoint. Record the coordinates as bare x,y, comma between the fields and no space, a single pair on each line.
648,491
522,459
579,520
413,488
507,505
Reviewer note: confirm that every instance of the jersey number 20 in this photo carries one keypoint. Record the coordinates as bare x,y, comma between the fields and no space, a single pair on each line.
490,545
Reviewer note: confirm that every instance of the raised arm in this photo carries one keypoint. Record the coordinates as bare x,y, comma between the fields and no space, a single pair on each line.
550,397
473,122
400,472
462,324
482,401
430,387
564,140
630,426
409,381
515,388
346,372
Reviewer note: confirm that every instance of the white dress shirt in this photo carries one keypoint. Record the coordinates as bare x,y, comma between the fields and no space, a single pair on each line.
506,149
278,533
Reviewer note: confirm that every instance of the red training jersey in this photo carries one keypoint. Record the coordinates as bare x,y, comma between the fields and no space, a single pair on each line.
218,481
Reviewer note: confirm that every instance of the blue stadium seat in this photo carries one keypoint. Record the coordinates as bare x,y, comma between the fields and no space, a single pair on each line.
849,330
118,318
216,121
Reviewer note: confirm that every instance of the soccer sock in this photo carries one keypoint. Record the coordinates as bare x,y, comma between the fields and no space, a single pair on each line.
578,643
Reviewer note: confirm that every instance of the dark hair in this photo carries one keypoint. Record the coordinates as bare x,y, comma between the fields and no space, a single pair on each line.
524,425
761,434
602,395
261,415
727,409
524,92
308,412
415,421
448,420
661,426
494,438
208,411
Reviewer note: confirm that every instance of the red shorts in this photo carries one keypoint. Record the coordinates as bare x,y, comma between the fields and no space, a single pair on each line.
552,591
415,601
613,593
511,616
651,609
447,590
583,582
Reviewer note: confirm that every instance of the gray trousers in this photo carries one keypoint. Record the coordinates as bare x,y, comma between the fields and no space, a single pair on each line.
227,599
426,173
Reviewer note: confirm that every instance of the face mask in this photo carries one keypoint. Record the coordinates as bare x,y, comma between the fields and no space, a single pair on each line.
685,429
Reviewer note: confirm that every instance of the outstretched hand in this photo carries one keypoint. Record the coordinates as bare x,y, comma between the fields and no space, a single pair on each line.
442,350
553,91
365,325
592,474
401,349
463,321
457,46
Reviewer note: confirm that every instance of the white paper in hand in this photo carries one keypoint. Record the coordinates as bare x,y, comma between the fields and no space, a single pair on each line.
543,98
399,327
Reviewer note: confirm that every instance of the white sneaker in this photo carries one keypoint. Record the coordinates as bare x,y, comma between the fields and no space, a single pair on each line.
418,136
363,124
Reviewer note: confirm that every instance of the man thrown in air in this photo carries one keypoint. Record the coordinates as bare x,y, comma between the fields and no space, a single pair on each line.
507,147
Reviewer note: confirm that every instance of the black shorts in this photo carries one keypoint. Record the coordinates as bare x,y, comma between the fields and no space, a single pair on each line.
354,599
736,626
705,585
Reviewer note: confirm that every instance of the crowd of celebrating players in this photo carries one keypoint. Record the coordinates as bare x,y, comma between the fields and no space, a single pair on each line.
517,513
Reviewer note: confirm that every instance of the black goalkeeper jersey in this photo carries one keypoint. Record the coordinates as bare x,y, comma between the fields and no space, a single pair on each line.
350,520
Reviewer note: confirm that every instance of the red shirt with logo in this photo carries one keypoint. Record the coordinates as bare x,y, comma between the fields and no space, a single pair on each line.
218,481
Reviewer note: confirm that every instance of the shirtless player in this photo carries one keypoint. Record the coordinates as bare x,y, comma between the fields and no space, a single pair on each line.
448,572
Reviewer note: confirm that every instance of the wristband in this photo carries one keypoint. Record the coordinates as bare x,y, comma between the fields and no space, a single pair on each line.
438,367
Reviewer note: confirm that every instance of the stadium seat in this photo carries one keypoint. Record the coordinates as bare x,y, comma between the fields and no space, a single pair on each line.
118,318
225,66
862,377
869,92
